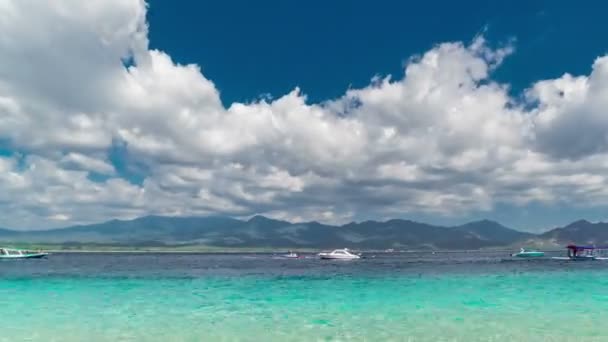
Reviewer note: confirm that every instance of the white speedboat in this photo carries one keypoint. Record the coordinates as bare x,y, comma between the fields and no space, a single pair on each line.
7,253
291,255
339,254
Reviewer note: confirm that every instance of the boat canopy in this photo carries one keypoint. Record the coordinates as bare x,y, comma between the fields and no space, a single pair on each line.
575,251
581,248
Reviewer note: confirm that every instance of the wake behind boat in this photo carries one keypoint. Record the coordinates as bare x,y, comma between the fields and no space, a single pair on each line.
339,254
7,253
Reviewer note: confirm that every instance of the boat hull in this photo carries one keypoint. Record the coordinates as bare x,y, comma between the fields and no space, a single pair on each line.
24,256
529,255
291,257
583,258
333,257
578,258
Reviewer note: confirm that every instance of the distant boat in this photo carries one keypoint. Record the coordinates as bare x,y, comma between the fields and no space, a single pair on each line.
339,254
8,253
528,254
584,253
291,255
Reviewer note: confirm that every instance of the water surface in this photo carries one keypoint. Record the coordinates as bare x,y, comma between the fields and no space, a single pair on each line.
258,297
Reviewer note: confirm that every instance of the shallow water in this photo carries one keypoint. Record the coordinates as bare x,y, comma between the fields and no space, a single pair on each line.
257,297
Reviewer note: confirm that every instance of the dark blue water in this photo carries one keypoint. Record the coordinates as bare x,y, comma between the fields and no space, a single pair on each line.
236,265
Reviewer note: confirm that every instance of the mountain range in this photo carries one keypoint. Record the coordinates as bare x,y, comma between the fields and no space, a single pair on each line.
263,232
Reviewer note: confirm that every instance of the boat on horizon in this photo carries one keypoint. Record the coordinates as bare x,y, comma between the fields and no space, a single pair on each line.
523,253
291,255
585,253
339,254
10,253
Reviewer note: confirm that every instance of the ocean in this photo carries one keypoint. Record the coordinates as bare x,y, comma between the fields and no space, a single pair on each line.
259,297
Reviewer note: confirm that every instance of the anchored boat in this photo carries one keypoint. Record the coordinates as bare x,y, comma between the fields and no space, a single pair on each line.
528,254
8,253
582,253
585,253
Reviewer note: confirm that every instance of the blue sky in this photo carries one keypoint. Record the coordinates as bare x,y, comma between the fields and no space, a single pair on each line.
250,49
285,109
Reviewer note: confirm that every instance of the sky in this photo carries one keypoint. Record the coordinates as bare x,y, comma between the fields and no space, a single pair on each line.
329,111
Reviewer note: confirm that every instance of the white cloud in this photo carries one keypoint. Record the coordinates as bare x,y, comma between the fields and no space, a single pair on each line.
83,162
570,120
442,138
59,217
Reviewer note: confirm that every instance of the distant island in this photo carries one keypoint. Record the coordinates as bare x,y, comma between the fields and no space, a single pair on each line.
264,234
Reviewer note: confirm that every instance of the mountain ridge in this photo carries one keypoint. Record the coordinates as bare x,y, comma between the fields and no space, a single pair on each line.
261,231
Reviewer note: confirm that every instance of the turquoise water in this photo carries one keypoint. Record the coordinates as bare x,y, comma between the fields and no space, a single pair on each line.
260,299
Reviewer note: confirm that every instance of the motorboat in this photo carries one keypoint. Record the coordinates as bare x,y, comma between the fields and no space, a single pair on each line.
528,254
291,255
8,253
583,253
339,254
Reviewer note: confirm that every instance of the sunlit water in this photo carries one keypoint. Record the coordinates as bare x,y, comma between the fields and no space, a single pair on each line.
389,297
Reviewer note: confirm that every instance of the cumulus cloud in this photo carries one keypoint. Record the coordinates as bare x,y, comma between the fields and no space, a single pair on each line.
83,162
442,138
571,120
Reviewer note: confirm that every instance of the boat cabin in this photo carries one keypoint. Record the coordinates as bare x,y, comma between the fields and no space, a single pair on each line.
575,251
585,252
7,251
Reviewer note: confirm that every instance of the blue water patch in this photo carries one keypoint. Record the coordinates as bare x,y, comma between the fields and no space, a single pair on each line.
250,297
